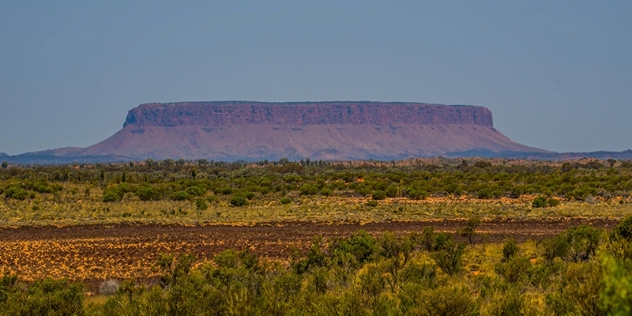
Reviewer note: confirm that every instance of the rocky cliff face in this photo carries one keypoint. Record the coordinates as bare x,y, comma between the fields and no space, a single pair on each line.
304,113
237,130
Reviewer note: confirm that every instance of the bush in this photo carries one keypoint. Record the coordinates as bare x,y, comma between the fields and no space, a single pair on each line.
576,244
326,192
624,229
200,204
147,193
379,195
542,201
285,200
510,249
449,257
16,193
372,203
415,194
539,201
46,297
514,269
308,189
484,193
112,194
391,191
440,301
180,196
238,200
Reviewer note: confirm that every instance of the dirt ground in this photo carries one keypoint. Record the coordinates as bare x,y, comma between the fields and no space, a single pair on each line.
95,252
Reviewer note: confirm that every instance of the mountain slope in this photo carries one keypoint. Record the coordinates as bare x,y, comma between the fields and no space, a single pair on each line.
319,130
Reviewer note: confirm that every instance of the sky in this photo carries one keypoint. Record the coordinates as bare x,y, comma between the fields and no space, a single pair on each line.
556,74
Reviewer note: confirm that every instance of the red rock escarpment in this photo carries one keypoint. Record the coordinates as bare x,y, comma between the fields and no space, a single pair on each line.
236,130
304,113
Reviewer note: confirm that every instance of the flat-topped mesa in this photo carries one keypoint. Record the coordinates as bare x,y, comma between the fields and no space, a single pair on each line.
305,113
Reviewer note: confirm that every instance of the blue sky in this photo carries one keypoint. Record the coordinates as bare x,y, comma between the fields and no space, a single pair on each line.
556,74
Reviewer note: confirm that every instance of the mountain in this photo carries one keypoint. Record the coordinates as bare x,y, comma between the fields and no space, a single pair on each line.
255,131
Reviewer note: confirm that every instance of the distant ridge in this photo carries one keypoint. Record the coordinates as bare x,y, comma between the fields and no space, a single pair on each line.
337,130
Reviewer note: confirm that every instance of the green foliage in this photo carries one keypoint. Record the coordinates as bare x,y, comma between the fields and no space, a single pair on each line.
359,275
539,201
200,204
510,249
361,246
238,200
379,195
391,191
624,229
285,200
326,192
579,291
450,301
542,201
42,297
372,203
15,192
308,189
449,255
180,196
147,193
112,195
469,231
616,294
575,244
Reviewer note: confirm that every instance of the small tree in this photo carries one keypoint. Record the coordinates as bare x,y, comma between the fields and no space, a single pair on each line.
469,231
5,165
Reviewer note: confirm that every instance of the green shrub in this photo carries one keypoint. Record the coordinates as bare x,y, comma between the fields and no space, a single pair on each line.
539,201
196,191
308,189
575,244
510,249
112,194
415,194
180,196
514,269
542,201
440,301
379,195
238,200
391,191
485,193
552,202
579,292
147,193
15,192
326,192
624,229
449,256
200,204
372,203
46,297
285,200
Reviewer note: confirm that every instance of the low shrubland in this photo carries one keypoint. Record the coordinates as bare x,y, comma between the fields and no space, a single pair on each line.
315,191
582,271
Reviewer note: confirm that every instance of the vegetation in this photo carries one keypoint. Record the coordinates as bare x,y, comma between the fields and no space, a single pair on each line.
312,191
418,274
581,271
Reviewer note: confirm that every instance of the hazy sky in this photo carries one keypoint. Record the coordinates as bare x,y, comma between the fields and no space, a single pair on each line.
556,74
